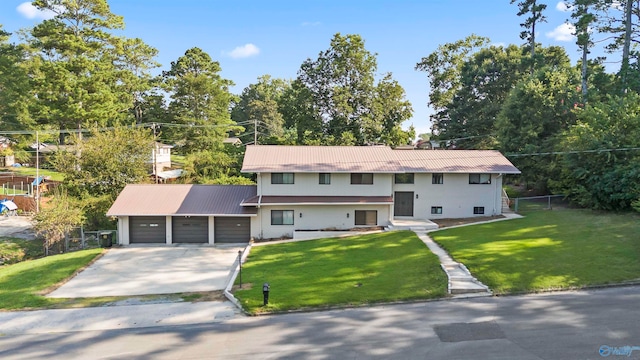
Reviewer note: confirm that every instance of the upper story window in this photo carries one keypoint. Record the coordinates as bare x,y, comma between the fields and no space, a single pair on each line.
437,178
282,178
362,179
324,179
404,178
479,178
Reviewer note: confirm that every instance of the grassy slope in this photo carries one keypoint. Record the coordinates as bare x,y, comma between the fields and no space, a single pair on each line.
13,250
549,250
22,283
356,270
29,171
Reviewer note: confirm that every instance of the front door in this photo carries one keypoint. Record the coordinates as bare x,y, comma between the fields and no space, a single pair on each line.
403,203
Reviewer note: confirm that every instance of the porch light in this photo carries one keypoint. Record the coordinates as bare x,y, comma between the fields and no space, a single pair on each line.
417,196
347,215
301,215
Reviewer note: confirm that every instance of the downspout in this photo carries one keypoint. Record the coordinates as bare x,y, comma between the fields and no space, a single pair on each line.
259,178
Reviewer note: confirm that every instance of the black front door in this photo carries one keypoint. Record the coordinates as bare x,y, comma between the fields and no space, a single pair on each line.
403,203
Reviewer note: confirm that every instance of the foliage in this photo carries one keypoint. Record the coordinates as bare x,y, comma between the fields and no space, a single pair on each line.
548,250
14,86
108,161
594,174
62,215
14,250
22,284
534,113
260,104
362,269
533,9
346,99
200,102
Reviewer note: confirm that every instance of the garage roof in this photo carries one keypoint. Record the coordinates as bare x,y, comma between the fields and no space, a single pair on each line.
182,199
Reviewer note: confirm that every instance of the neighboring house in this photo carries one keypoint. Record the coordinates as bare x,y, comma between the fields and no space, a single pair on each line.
331,187
161,157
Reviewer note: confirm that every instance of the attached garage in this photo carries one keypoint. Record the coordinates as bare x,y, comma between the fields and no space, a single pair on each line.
147,229
198,214
229,230
190,229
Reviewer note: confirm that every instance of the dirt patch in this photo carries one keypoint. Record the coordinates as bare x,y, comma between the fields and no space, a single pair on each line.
443,223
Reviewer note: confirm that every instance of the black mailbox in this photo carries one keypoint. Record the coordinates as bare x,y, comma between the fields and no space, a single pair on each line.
265,293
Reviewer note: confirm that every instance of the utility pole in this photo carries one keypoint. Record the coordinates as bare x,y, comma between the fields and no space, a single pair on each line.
255,131
37,191
155,152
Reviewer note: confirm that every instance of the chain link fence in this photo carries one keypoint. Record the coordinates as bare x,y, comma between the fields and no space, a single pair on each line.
538,203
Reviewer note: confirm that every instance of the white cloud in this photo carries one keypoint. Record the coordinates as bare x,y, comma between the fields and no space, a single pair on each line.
563,6
243,51
563,32
31,12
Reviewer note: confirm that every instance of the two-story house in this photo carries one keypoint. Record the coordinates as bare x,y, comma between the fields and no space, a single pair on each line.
342,187
317,188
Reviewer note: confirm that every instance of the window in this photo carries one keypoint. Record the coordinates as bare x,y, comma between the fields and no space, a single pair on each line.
436,210
478,210
324,179
282,178
362,179
281,217
404,178
479,178
437,178
366,217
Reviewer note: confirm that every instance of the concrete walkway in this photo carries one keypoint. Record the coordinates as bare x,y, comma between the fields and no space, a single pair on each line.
461,282
114,317
460,279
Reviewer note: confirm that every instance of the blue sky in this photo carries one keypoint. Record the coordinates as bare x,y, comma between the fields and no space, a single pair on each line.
253,38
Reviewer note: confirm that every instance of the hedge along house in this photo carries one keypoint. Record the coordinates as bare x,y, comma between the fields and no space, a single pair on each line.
183,214
344,187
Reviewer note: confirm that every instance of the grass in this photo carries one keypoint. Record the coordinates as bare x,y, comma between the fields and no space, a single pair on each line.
549,250
13,250
30,171
22,284
373,268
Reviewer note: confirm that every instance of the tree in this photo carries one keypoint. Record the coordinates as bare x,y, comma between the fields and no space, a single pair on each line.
200,101
341,83
55,221
537,110
443,68
73,72
621,20
584,15
533,10
14,86
601,166
109,161
259,105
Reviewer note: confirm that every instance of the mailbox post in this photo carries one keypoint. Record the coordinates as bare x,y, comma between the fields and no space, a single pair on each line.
265,293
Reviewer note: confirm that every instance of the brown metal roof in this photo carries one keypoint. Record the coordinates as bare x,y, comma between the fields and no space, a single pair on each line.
334,159
182,199
317,200
455,161
375,159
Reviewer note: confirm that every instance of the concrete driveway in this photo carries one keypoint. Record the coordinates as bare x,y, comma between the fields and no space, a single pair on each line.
152,270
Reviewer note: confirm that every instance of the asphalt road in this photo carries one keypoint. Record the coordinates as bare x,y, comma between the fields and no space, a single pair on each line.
569,325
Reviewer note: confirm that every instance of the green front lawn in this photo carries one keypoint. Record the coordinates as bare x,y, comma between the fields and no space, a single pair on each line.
548,250
21,284
373,268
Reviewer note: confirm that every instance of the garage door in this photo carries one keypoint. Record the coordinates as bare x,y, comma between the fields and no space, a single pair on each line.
232,229
190,229
147,230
